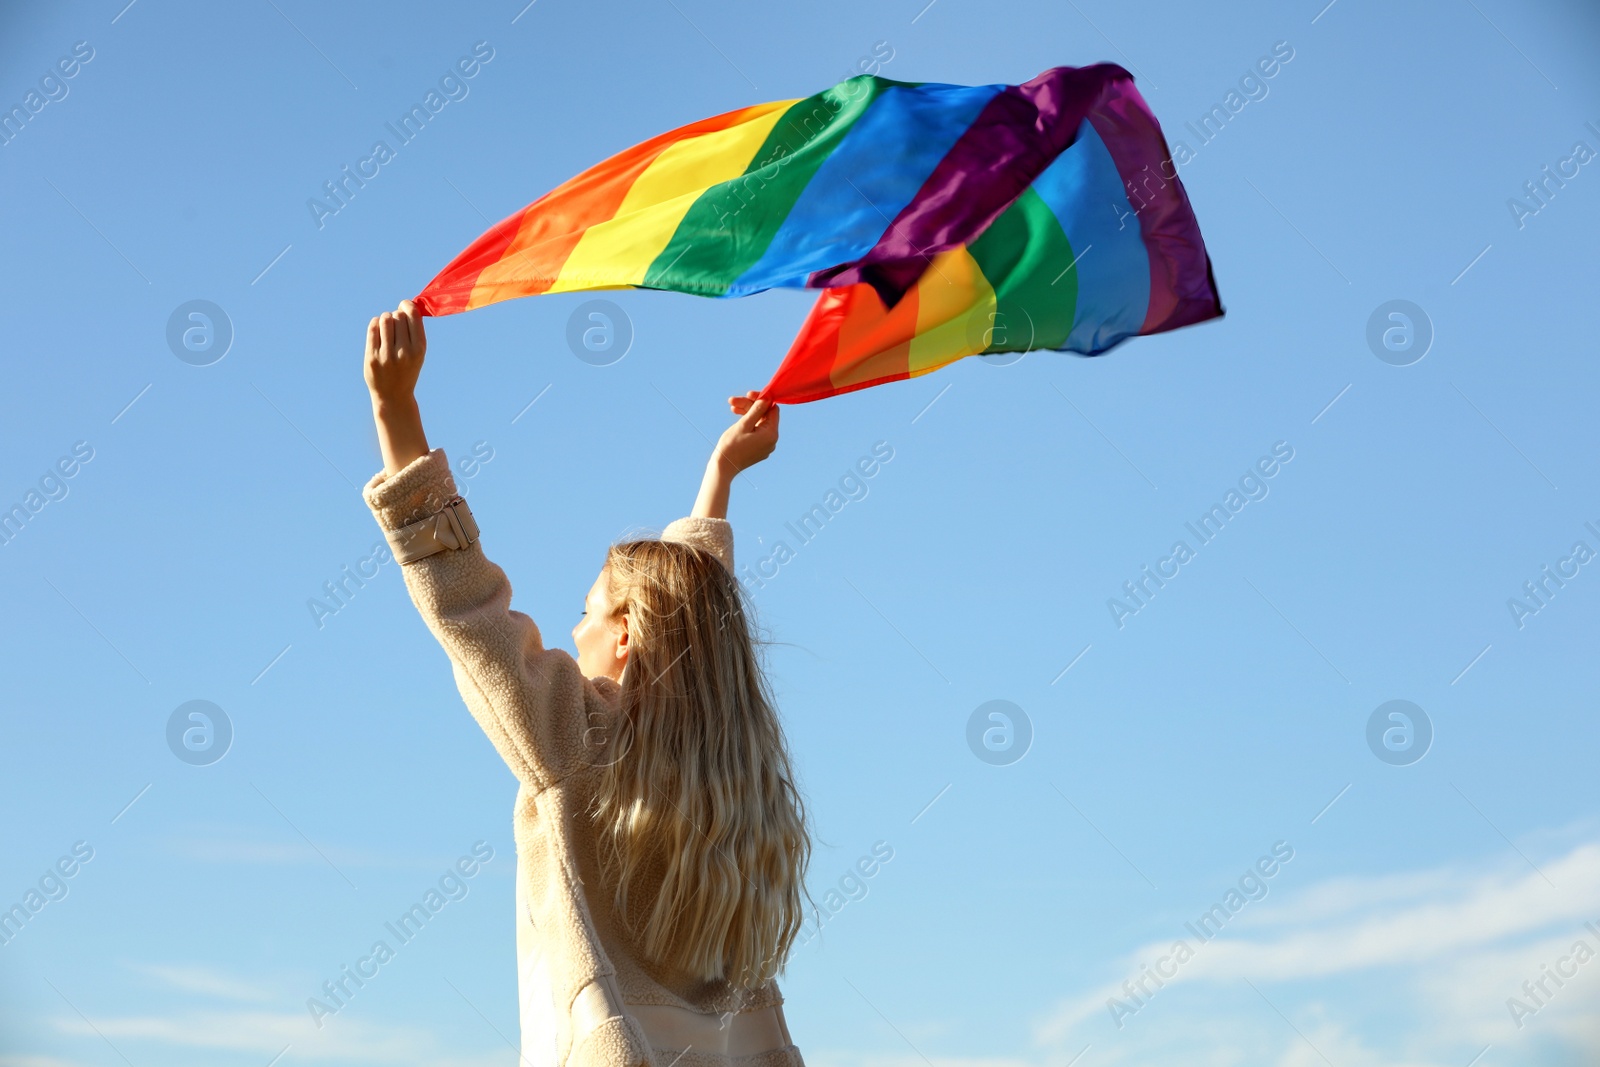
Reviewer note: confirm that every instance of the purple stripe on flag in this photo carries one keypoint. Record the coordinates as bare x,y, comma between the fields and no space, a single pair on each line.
1013,139
1182,289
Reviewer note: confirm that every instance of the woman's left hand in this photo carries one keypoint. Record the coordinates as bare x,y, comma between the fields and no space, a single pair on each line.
744,444
751,439
396,347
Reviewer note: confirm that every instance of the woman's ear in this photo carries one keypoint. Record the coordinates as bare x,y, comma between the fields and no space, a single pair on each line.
622,637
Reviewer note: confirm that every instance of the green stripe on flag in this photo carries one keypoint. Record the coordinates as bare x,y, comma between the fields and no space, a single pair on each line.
1025,255
731,224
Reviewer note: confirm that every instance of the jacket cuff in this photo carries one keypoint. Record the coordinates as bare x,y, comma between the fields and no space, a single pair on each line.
417,490
711,535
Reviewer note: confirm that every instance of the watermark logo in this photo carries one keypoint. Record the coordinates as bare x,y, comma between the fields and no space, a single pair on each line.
999,732
1399,333
999,328
199,733
1399,733
599,332
199,333
607,739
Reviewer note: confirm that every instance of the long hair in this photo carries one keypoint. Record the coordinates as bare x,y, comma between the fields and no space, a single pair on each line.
697,788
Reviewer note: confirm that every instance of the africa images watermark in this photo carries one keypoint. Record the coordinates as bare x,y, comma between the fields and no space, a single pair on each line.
1144,187
53,88
852,885
852,485
1540,191
53,485
451,886
1538,592
1252,886
453,87
1580,953
338,592
1252,486
1252,88
52,886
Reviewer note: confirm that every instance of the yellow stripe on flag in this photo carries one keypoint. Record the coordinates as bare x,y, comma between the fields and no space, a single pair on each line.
619,251
955,307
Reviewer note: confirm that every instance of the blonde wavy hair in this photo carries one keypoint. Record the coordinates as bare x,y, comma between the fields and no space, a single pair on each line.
703,832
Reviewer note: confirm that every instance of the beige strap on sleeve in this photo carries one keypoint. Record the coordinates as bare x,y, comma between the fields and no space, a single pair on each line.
450,527
732,1034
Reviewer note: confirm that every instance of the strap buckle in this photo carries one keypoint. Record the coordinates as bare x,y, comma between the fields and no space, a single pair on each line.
452,526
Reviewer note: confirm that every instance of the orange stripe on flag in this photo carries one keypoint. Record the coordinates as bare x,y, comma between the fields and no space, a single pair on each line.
550,227
874,342
850,340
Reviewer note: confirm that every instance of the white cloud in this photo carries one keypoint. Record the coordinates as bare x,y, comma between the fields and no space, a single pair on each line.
218,843
208,981
1398,970
1456,942
836,1058
266,1033
224,850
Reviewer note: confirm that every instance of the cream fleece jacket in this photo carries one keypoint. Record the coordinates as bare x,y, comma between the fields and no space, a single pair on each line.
536,707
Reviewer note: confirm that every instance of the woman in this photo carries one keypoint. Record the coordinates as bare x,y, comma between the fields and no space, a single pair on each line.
661,842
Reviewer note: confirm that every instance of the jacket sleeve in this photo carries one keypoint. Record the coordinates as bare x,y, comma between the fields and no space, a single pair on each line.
532,702
712,535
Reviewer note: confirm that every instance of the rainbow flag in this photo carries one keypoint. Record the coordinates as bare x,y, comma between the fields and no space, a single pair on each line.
941,220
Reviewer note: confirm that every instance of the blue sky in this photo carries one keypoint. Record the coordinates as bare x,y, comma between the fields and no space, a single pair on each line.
207,505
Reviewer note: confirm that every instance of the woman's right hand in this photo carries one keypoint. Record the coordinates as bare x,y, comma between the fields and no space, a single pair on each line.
396,345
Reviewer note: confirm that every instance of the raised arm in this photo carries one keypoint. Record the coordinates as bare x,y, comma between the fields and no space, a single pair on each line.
532,702
747,442
396,345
